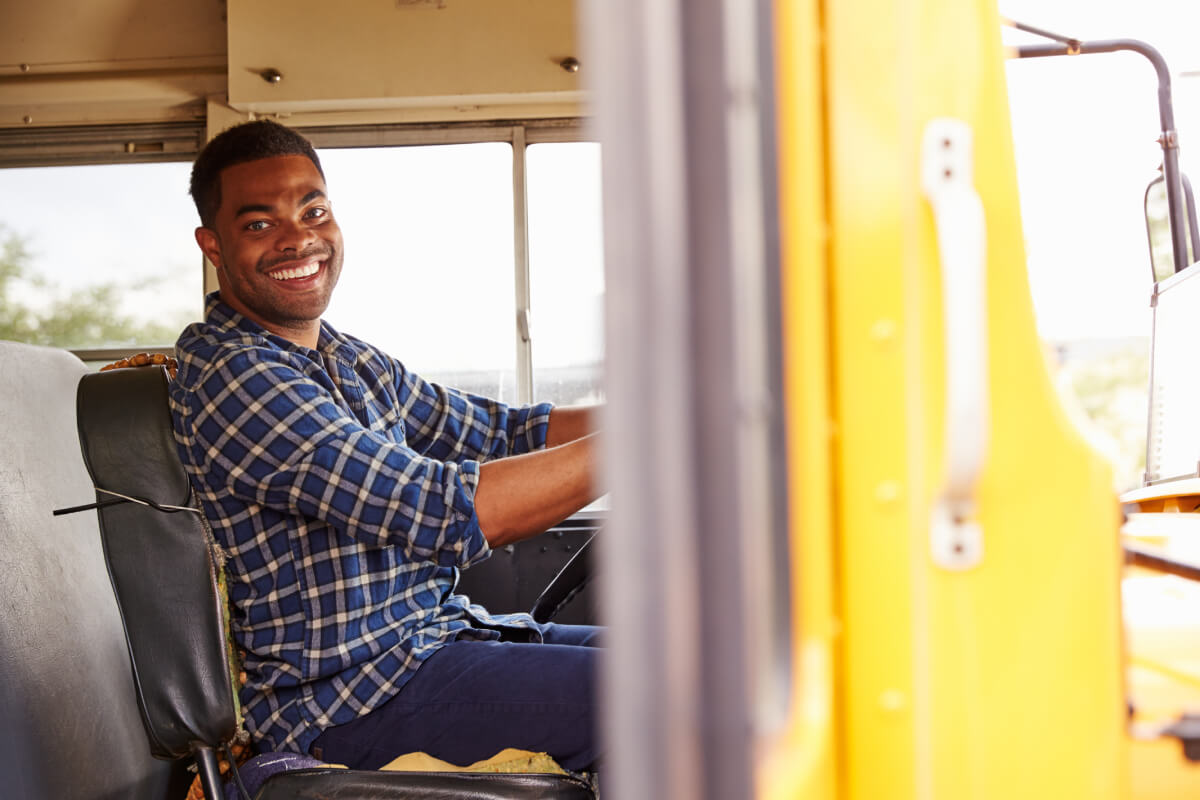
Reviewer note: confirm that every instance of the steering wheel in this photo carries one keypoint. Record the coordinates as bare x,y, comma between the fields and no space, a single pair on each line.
569,582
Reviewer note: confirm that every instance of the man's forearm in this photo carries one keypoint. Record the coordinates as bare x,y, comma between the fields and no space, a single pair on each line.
521,496
568,423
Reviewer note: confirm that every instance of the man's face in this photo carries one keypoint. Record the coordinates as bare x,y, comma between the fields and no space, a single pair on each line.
275,244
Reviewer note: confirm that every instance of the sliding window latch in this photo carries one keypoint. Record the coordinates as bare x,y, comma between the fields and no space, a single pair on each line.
523,325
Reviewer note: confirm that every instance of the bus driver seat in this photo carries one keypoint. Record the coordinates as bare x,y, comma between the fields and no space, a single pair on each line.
163,568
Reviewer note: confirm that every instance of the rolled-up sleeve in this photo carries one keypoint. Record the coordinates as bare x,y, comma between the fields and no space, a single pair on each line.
447,424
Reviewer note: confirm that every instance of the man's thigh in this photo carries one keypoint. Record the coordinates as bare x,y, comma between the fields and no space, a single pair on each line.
470,700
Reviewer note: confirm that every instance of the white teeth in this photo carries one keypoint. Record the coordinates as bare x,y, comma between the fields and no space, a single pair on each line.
296,272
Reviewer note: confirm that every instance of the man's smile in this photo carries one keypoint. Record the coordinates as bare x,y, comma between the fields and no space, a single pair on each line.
303,270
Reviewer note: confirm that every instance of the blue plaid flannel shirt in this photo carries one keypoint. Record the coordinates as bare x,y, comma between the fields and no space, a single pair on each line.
341,487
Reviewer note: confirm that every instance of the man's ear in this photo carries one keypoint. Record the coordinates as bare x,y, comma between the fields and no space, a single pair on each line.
209,245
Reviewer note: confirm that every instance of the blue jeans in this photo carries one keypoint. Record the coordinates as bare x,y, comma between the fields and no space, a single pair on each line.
470,699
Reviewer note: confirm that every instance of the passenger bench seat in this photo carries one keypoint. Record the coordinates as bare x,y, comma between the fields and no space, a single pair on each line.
68,713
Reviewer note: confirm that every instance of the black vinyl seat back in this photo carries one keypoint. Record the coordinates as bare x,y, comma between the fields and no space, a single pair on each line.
161,564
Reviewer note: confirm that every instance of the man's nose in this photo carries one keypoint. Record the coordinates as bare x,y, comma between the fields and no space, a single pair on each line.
294,235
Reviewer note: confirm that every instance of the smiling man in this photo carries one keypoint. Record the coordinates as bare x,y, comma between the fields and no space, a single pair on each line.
284,247
346,492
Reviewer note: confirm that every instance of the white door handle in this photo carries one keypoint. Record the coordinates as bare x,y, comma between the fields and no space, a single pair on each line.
947,178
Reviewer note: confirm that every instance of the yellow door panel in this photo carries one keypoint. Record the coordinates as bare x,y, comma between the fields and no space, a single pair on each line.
1001,679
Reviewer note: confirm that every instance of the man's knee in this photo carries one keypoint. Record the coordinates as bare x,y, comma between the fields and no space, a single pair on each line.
577,635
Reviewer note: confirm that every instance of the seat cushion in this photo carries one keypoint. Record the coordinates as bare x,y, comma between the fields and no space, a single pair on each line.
337,784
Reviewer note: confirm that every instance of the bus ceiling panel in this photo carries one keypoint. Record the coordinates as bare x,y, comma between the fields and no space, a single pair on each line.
58,37
478,58
129,97
109,61
451,112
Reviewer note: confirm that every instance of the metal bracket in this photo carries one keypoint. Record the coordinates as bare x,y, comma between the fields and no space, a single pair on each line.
523,325
947,178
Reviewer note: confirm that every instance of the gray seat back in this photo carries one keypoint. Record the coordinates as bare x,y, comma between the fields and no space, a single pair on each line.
67,714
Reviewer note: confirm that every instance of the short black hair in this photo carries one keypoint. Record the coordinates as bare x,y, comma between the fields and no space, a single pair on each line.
249,141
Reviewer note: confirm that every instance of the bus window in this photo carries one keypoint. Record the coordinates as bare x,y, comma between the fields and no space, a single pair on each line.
98,257
433,271
566,255
428,274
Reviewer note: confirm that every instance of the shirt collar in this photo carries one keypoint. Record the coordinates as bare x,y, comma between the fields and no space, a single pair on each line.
225,318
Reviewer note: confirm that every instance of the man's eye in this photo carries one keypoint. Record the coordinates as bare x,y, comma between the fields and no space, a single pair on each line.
257,225
316,212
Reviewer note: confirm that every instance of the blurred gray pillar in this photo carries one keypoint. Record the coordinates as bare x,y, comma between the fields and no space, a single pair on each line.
682,99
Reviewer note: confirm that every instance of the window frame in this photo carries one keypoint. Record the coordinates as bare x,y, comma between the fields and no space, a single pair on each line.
85,145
